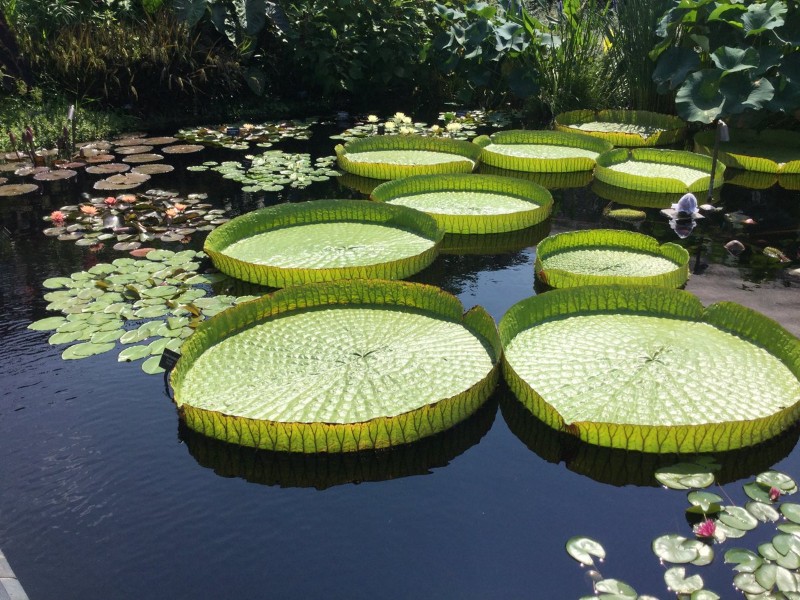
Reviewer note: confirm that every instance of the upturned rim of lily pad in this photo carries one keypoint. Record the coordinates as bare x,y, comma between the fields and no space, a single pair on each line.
539,201
759,146
629,242
541,164
671,128
348,436
314,212
701,435
466,156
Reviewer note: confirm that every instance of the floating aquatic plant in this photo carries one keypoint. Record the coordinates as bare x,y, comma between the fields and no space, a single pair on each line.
675,384
772,151
129,220
324,240
600,256
273,170
470,204
627,128
341,367
159,299
242,136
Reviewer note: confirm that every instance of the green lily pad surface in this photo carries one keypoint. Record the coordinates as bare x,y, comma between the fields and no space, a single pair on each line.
396,156
467,204
656,170
541,151
646,368
769,151
628,128
325,240
341,366
609,256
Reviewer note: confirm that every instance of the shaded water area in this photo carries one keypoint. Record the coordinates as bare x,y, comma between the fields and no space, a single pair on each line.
104,494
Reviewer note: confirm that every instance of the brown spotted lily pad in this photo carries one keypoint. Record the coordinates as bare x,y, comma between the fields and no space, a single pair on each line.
18,189
140,149
98,158
56,175
123,181
108,169
153,169
159,141
142,158
182,148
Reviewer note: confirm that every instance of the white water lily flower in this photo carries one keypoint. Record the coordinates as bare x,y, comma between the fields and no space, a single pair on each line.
399,116
453,127
372,119
390,125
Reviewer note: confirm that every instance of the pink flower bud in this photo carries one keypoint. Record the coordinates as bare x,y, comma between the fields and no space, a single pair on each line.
774,494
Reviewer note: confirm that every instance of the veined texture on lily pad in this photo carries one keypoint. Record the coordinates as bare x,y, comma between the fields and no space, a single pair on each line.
337,367
396,156
541,151
325,240
470,204
649,369
603,256
626,128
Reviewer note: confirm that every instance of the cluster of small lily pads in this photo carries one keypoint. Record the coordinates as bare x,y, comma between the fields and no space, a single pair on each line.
159,299
130,220
240,137
459,126
273,170
773,571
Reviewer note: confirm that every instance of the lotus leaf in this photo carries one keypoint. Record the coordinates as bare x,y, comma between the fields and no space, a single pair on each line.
324,240
470,204
341,366
770,151
541,151
608,256
627,128
397,156
655,170
646,368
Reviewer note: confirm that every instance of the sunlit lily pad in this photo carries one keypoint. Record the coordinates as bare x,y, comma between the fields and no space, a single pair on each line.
136,149
108,169
650,369
55,175
182,149
274,170
585,550
420,365
142,158
628,128
396,156
541,151
470,204
153,169
324,240
600,256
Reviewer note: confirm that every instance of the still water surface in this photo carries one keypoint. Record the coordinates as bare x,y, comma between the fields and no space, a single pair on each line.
104,495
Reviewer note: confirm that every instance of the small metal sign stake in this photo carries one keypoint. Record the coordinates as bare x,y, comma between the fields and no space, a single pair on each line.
169,359
722,135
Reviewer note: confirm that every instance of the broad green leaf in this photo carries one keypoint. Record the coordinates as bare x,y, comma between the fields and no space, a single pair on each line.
676,580
747,583
55,283
732,60
86,349
698,98
746,561
791,511
790,528
783,482
729,532
704,500
756,492
106,336
761,17
738,517
615,587
674,65
47,324
704,595
763,512
769,551
675,549
151,365
583,549
66,338
685,476
134,353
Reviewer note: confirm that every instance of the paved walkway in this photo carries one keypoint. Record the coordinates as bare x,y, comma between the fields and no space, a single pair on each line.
10,587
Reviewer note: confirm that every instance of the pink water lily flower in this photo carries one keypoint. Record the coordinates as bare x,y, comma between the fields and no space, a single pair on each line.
774,494
110,201
57,217
706,529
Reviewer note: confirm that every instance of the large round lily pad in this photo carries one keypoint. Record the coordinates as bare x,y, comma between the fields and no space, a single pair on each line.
657,170
467,204
340,367
324,240
603,256
649,369
396,156
541,151
628,128
769,151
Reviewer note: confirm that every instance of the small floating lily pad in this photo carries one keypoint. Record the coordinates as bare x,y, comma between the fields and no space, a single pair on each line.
396,156
649,369
470,204
657,170
393,362
153,169
601,256
627,128
769,151
324,240
541,151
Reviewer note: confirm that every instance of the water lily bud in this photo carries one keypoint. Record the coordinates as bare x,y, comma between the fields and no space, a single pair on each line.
774,493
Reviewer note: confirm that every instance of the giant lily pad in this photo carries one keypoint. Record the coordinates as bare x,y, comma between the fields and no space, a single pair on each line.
649,369
628,128
467,204
600,256
656,170
341,366
324,240
396,156
769,151
541,151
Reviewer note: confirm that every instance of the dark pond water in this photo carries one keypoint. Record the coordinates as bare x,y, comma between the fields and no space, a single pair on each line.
104,495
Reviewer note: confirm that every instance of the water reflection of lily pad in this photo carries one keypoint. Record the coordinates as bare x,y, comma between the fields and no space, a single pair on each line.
767,151
638,198
551,181
322,471
106,305
495,243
